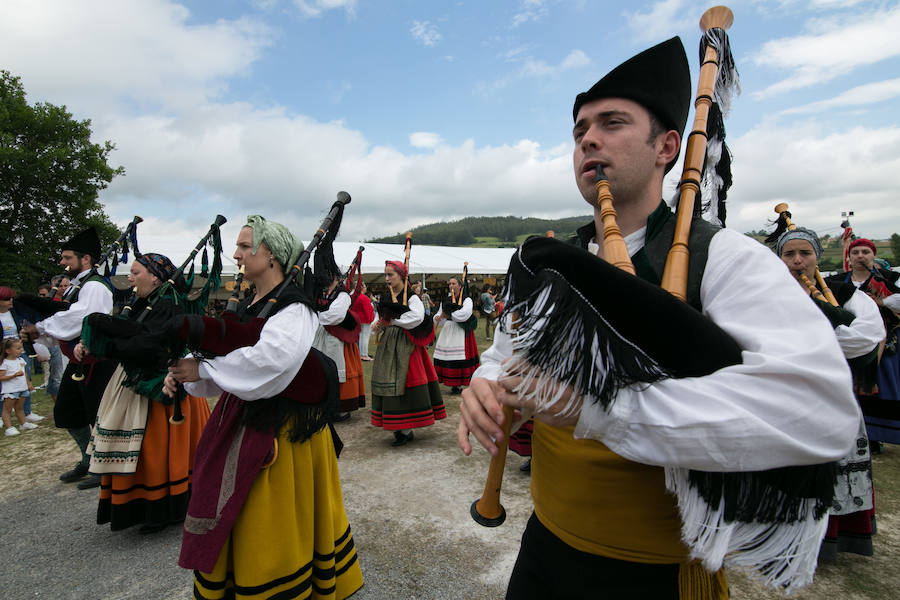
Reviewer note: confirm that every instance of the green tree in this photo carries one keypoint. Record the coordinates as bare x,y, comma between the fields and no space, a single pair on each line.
895,248
50,177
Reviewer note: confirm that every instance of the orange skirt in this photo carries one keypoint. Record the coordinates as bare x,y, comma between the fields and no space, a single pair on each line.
158,491
353,391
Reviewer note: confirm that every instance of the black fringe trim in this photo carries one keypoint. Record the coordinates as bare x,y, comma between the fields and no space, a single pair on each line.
571,330
448,307
389,311
423,330
773,496
302,420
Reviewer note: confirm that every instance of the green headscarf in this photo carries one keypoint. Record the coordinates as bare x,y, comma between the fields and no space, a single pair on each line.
284,246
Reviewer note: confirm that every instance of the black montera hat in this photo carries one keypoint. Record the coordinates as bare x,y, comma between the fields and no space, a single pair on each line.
658,79
85,242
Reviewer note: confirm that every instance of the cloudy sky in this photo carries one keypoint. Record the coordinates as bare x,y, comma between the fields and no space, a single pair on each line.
427,111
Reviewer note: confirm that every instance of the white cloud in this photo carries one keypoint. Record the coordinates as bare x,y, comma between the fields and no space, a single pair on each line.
662,19
425,32
237,160
529,11
424,139
832,47
532,68
107,52
819,175
314,8
337,90
188,160
574,60
862,95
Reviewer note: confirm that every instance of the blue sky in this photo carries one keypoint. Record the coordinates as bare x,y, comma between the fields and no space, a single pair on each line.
429,111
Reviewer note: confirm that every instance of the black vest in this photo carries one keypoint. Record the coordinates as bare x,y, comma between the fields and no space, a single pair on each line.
650,261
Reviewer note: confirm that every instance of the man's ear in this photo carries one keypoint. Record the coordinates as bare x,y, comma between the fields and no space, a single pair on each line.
669,144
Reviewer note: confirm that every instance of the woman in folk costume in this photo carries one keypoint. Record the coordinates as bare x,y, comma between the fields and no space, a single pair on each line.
882,408
266,517
405,392
340,323
456,352
144,460
859,330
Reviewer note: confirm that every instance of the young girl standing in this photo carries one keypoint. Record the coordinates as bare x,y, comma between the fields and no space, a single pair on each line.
14,385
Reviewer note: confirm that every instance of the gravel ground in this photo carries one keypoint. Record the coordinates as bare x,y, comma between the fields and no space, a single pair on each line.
408,508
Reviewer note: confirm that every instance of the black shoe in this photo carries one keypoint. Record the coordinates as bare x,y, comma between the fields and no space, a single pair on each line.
75,474
401,439
875,447
342,417
91,481
151,528
526,467
456,390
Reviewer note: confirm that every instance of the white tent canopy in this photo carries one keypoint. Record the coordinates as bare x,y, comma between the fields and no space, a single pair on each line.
431,260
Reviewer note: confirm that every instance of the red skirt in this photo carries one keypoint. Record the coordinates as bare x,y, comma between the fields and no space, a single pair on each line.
458,373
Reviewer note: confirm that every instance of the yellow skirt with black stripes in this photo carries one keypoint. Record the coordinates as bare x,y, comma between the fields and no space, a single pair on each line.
292,538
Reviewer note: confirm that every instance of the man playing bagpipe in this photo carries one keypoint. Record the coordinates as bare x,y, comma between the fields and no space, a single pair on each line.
859,330
76,404
648,473
881,409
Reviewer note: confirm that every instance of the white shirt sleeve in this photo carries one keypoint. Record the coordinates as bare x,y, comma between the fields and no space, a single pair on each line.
491,366
94,297
790,402
462,315
266,368
893,302
204,388
867,329
414,316
337,312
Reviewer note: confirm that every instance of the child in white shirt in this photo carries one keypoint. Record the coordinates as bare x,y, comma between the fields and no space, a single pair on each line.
14,386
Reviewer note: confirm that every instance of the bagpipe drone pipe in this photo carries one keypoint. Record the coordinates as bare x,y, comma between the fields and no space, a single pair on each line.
137,340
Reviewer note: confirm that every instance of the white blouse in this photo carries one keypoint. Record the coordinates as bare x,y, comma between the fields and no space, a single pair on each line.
265,368
790,402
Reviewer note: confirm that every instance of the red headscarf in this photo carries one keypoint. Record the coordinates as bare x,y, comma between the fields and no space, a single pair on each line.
6,293
397,266
862,242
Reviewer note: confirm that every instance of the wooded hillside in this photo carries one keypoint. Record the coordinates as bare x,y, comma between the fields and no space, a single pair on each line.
491,232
